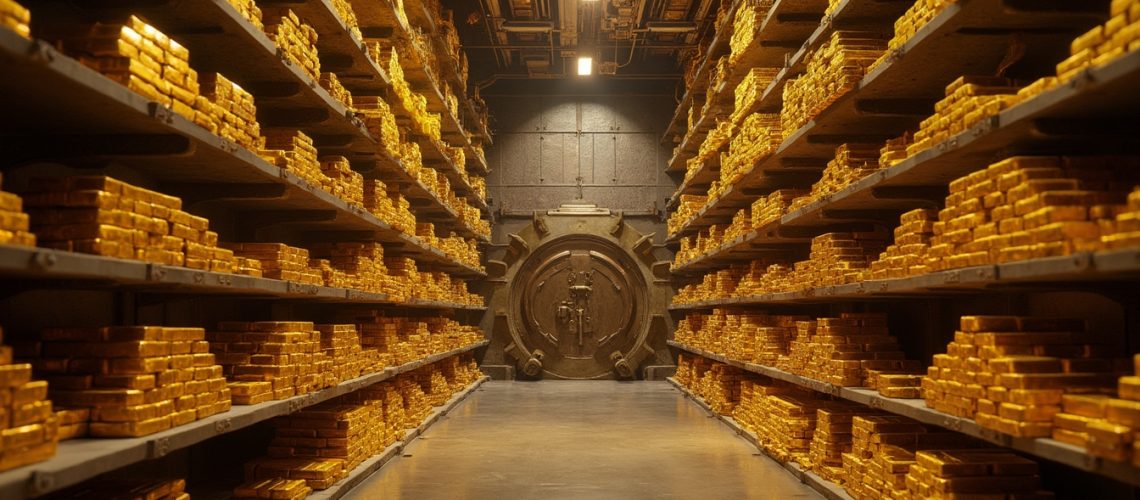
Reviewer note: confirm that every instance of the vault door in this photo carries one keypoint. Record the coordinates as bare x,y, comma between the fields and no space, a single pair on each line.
578,303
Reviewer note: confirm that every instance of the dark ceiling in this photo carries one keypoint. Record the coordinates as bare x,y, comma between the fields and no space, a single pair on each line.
542,39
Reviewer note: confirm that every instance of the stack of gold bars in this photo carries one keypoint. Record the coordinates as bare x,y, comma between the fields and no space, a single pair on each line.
297,40
354,265
851,163
907,255
340,180
896,457
841,350
754,389
389,206
690,369
227,110
833,437
136,55
14,223
1103,424
336,90
16,18
835,259
273,489
268,360
893,151
347,15
341,346
380,121
104,216
746,27
279,261
1124,230
690,205
750,89
969,100
833,70
1103,44
321,444
719,386
250,11
293,151
29,431
133,380
756,139
122,488
761,276
1010,373
785,432
961,473
767,210
922,12
1032,207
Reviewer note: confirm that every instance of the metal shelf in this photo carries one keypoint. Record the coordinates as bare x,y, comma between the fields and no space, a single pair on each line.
757,243
340,52
381,18
1090,268
220,39
108,121
80,459
76,269
366,468
787,25
717,47
828,489
1048,449
898,93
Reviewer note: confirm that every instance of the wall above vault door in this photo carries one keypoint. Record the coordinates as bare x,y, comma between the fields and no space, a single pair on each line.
550,149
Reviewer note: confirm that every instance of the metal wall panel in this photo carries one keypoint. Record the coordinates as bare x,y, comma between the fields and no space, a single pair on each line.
544,143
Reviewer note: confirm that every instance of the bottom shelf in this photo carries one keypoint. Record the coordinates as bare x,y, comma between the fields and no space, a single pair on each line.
362,471
80,459
1049,449
828,489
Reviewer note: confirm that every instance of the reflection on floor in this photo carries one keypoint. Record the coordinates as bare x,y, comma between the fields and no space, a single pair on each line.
567,440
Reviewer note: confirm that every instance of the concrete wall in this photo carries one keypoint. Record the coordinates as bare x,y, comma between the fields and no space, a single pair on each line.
544,143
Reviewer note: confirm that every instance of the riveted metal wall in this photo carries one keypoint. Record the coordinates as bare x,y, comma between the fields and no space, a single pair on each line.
557,148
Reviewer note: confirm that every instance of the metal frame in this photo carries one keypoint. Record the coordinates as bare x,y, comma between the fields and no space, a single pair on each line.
915,408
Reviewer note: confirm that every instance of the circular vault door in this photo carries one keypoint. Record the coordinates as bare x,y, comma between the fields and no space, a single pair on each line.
576,301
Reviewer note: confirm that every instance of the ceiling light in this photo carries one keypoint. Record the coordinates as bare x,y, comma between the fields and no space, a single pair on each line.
585,66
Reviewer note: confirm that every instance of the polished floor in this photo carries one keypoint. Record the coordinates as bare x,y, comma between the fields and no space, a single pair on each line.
557,440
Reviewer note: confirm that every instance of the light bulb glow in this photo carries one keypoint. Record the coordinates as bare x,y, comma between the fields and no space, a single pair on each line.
585,65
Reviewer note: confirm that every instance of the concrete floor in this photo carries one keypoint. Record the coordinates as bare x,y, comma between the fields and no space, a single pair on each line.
569,440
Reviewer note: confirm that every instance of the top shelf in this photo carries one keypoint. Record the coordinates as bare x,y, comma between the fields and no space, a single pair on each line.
106,121
787,25
898,93
378,19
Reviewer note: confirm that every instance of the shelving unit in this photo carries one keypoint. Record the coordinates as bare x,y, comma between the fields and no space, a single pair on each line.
106,118
1089,269
1048,449
1076,118
365,469
900,92
82,459
786,26
53,100
826,488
